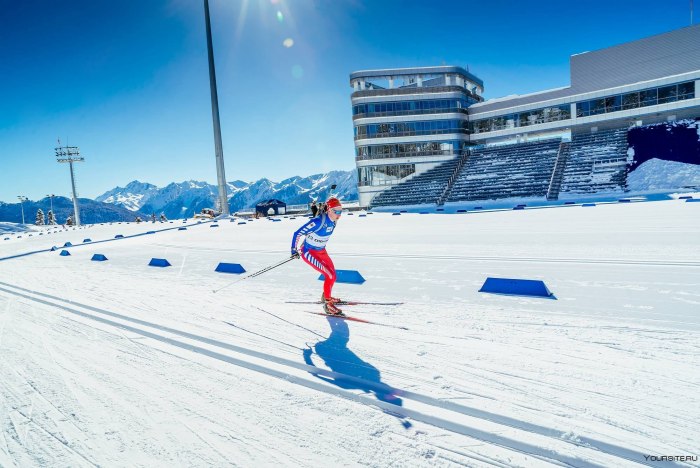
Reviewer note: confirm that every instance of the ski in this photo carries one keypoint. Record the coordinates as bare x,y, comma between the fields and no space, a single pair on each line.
348,303
356,319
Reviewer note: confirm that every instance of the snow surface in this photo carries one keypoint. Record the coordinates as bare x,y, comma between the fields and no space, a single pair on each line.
658,174
119,364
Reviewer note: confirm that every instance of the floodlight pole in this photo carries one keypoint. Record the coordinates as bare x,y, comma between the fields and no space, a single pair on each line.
71,154
21,204
51,198
218,147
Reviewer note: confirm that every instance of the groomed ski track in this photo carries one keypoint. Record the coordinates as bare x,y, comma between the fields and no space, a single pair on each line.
443,414
482,425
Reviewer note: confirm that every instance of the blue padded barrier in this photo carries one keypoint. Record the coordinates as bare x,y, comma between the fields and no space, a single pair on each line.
213,225
242,222
182,228
98,258
64,253
67,244
54,248
362,216
395,214
119,236
692,200
516,287
85,241
159,262
588,204
234,268
347,276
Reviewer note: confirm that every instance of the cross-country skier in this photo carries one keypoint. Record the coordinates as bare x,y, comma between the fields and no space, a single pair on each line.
313,250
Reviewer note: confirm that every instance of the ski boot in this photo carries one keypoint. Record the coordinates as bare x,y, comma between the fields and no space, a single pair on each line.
330,307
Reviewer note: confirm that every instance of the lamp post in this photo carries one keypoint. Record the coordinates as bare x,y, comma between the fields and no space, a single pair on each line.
22,199
51,197
218,148
71,154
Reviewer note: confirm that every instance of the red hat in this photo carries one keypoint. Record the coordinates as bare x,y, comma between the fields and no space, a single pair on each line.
332,202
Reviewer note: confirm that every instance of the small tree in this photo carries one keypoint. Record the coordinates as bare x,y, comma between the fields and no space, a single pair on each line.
39,217
52,218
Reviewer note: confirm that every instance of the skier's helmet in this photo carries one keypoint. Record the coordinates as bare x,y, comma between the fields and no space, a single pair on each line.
332,202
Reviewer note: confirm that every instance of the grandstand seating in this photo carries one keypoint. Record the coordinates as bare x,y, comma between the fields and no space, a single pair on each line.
597,162
506,171
423,188
594,162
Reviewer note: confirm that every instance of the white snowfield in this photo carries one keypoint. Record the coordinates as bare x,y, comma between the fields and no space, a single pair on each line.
116,363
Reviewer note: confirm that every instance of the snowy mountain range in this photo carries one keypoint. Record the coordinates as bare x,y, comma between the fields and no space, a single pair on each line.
178,200
91,211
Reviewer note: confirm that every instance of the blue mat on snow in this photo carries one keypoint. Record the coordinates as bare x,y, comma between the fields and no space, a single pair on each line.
159,262
347,276
234,268
516,287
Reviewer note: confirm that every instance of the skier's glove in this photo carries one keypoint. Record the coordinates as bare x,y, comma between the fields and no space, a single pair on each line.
295,254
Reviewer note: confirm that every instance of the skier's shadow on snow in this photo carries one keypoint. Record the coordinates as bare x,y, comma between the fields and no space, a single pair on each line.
336,355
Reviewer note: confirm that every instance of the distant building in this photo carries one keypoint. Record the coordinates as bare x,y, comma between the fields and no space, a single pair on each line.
410,121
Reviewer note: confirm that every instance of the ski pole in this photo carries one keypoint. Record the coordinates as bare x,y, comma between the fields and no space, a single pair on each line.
257,273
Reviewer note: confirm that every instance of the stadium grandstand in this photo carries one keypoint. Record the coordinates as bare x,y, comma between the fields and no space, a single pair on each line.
426,135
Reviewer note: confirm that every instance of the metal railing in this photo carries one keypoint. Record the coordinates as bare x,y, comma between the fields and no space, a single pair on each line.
415,90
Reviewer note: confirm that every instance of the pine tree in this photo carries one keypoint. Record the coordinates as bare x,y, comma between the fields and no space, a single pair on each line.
52,218
39,218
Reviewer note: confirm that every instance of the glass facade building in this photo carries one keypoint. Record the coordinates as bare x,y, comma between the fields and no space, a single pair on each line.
406,121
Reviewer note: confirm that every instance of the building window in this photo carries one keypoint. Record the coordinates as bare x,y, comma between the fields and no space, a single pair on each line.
668,94
400,129
648,97
630,101
645,97
430,106
384,175
403,150
523,119
686,90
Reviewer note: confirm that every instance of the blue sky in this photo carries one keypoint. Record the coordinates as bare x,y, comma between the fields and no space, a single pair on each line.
127,81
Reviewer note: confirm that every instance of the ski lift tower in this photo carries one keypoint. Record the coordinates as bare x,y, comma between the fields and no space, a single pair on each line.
71,154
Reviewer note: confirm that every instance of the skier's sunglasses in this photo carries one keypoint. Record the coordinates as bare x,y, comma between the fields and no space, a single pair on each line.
338,212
